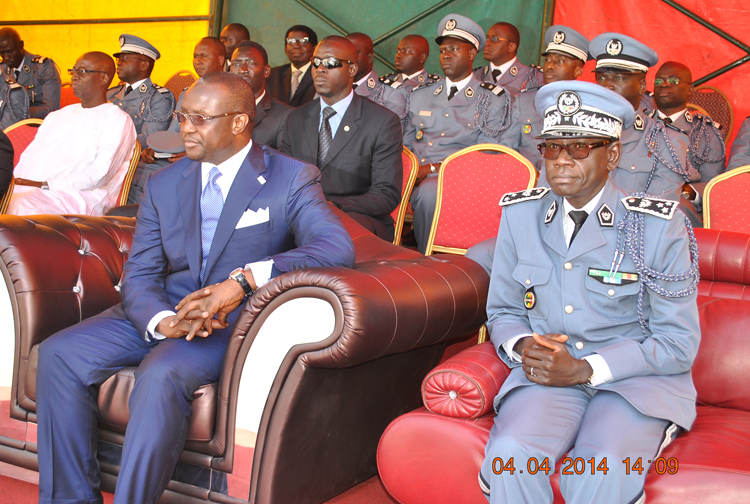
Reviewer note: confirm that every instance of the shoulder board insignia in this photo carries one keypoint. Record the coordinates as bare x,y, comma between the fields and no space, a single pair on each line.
653,206
370,83
639,123
494,88
551,211
513,70
649,112
14,85
393,84
606,216
521,196
163,90
435,76
649,93
390,76
537,67
469,92
26,68
438,90
143,88
486,69
688,116
39,59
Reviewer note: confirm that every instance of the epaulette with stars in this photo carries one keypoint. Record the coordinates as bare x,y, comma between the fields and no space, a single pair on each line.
664,209
493,88
435,76
426,84
695,116
39,59
160,88
388,81
521,196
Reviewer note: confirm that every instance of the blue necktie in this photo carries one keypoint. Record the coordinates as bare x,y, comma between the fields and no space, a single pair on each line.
212,203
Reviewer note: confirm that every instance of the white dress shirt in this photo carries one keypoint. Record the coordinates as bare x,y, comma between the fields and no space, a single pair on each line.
340,107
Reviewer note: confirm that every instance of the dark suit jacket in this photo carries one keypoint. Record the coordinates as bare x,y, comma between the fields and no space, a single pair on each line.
270,119
6,163
279,84
363,171
165,258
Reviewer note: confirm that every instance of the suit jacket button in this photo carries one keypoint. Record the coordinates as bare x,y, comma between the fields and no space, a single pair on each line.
569,309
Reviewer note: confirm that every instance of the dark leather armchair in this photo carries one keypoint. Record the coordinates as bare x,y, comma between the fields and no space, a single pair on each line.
320,360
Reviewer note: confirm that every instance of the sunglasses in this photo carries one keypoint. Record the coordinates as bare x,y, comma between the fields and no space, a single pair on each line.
199,119
82,71
672,81
304,41
578,150
496,39
329,62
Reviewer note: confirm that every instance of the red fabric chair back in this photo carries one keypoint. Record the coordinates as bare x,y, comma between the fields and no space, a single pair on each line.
21,135
411,169
726,201
470,185
67,97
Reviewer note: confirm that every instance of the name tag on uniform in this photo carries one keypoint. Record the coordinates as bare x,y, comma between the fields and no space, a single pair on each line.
427,113
619,278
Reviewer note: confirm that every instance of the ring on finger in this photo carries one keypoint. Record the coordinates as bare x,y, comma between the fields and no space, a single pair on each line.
532,372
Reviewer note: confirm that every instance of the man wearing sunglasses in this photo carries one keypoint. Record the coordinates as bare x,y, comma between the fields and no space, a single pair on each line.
78,159
600,351
38,75
707,153
212,228
208,57
504,69
293,83
355,143
148,105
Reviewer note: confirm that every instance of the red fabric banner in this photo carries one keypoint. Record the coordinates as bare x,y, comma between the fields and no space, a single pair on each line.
675,37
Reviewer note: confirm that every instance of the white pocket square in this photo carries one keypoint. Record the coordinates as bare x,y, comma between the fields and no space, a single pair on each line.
253,218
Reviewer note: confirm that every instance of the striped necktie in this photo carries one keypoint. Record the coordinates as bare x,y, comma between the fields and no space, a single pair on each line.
212,203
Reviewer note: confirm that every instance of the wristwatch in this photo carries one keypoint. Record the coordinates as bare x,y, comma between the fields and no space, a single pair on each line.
238,275
45,186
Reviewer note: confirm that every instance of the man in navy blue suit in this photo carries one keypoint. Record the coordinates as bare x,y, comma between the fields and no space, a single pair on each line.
230,206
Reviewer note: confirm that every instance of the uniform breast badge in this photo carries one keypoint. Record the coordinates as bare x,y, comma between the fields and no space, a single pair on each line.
529,299
527,128
514,71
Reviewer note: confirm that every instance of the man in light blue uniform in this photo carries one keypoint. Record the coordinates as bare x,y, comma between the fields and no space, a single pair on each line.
740,153
596,372
149,106
503,40
450,115
411,54
565,54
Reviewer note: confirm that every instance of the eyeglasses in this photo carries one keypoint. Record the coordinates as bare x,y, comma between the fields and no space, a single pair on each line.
329,62
124,58
199,119
672,81
578,150
496,39
304,41
82,71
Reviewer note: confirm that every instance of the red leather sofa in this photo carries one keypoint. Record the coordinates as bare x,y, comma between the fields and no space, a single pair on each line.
433,454
378,329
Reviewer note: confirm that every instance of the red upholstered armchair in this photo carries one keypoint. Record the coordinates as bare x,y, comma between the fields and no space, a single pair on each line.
433,454
320,360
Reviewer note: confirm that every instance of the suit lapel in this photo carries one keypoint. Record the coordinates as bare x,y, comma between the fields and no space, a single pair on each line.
346,130
286,81
262,109
188,192
24,78
310,129
243,190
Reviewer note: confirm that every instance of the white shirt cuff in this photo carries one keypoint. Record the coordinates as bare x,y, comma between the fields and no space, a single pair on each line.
509,344
602,374
261,271
151,327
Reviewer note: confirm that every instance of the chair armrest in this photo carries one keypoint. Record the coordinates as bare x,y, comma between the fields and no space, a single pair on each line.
465,385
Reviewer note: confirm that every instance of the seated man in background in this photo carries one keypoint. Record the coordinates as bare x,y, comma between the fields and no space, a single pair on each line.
232,35
208,57
292,83
231,215
503,41
6,162
411,54
250,61
355,143
37,74
740,153
78,159
707,153
600,353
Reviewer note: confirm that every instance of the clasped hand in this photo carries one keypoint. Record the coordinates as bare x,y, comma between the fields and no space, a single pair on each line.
551,361
202,311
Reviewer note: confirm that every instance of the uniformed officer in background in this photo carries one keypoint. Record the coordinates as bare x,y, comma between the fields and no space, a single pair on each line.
411,54
600,352
740,153
451,114
707,152
14,103
566,51
37,74
654,154
149,106
208,57
503,41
